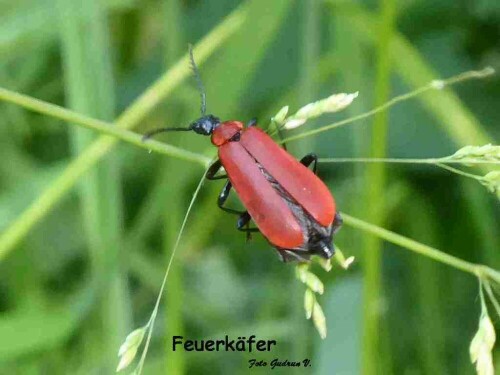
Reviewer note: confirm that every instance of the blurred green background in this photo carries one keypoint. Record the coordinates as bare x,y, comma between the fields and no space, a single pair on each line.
89,271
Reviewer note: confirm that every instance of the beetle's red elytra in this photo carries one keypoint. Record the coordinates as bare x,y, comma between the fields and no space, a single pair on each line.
292,208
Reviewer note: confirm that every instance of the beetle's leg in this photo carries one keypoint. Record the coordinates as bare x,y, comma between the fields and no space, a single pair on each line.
224,194
212,171
310,159
337,223
287,255
244,221
252,122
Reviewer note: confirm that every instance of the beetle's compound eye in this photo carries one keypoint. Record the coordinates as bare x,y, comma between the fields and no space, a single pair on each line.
205,125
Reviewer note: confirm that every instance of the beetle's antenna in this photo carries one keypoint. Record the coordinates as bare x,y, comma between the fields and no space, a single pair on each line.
148,135
199,82
203,95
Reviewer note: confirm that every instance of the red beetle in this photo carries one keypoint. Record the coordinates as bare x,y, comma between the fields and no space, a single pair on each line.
290,205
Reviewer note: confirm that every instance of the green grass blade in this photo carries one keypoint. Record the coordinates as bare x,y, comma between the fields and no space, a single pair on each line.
375,178
90,89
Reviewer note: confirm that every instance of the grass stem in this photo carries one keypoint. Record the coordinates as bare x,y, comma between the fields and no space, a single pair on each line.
151,321
407,161
473,74
479,270
99,126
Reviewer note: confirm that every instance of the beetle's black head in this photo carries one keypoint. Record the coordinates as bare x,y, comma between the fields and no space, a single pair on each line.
205,125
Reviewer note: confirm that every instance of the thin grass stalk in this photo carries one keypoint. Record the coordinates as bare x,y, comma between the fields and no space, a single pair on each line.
174,300
103,127
445,106
478,270
152,320
408,161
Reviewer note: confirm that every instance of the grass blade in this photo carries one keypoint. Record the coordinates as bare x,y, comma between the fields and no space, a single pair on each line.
375,178
90,89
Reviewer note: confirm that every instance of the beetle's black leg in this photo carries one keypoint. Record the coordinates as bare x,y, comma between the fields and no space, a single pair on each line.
337,223
252,122
212,171
224,194
310,159
244,221
287,255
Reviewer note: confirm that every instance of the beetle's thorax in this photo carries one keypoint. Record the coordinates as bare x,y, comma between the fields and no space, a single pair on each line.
226,132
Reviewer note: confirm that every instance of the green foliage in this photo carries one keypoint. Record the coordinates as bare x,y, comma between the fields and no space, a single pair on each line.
88,226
